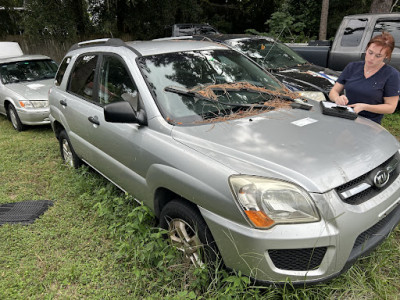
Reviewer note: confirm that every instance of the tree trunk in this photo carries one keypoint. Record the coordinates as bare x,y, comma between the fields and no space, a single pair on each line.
381,6
324,20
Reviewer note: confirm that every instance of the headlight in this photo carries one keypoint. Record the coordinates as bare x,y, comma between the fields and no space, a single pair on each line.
267,202
34,103
317,96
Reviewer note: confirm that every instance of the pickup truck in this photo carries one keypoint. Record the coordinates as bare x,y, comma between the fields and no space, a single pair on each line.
351,40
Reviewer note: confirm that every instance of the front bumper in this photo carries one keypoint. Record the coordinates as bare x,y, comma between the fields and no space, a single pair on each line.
34,116
312,252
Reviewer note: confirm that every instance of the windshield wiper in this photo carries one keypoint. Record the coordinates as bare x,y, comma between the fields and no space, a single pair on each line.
201,97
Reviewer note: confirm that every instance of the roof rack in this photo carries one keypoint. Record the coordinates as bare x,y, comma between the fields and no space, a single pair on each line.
183,37
99,42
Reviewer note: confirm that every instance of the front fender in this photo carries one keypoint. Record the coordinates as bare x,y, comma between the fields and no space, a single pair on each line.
214,196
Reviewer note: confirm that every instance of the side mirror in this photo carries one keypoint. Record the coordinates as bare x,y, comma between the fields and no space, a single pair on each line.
122,112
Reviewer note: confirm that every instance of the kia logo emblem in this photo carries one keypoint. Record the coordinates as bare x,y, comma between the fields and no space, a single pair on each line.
381,178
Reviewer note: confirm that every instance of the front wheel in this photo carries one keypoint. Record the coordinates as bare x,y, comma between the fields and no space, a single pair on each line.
189,233
67,152
14,118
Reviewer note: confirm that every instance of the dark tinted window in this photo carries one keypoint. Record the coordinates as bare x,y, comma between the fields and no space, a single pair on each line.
61,70
391,26
192,29
115,83
353,33
268,53
82,77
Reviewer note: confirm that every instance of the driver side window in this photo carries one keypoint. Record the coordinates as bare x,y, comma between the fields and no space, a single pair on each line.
115,83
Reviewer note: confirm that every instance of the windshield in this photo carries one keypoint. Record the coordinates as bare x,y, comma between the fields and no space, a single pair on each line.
30,70
268,53
199,85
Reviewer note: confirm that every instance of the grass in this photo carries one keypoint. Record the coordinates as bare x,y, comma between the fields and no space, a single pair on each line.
97,243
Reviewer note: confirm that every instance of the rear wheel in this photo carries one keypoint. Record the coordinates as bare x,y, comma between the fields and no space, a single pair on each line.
14,118
67,152
189,233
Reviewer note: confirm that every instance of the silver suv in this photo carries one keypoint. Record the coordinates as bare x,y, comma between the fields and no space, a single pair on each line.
230,162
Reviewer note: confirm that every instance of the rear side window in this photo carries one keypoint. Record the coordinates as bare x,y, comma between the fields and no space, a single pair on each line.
392,26
61,70
81,81
353,33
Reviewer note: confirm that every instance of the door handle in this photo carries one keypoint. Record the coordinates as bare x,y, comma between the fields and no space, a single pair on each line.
63,103
94,120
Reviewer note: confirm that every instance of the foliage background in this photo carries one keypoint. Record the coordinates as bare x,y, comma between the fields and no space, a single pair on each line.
51,27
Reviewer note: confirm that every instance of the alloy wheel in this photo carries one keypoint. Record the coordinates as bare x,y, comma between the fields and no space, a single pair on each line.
13,119
67,153
185,239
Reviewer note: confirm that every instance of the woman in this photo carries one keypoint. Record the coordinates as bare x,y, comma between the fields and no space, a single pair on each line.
372,87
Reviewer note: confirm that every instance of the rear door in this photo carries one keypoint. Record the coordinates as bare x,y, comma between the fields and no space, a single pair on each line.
77,101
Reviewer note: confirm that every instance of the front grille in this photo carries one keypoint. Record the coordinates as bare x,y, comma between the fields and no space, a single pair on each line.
373,236
370,192
374,231
298,259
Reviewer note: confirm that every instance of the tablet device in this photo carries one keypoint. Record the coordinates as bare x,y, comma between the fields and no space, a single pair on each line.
341,111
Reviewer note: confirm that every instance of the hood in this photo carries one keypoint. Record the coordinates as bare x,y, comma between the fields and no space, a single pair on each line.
316,151
32,90
308,77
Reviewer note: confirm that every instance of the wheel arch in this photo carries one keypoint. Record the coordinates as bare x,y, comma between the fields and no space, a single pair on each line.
57,128
7,103
163,196
165,183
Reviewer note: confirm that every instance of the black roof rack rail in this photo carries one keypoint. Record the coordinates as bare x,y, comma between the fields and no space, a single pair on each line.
103,42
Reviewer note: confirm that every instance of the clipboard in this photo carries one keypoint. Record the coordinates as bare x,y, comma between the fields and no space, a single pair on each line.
341,111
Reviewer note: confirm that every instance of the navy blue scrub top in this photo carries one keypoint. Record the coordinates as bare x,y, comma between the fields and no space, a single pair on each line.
384,83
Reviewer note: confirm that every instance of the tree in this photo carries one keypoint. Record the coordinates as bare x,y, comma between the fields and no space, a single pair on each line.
44,19
295,20
381,6
324,20
10,17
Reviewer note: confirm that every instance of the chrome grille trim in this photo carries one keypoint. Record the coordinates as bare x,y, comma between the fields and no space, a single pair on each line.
363,188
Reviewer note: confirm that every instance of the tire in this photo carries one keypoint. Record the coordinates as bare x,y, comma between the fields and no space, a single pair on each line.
189,233
14,118
67,152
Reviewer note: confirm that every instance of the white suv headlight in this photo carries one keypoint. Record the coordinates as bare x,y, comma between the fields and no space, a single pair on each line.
34,103
267,202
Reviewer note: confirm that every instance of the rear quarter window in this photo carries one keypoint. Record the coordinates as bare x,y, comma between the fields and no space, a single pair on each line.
61,70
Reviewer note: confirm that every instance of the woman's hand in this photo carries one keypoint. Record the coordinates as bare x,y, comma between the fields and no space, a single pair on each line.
341,100
358,107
